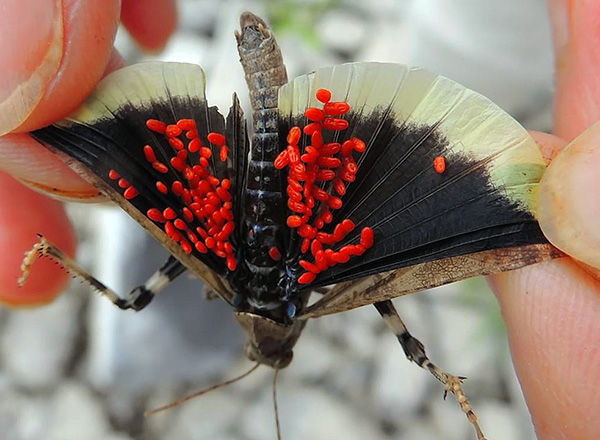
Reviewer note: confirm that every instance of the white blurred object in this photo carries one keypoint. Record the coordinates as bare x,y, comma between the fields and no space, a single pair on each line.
500,49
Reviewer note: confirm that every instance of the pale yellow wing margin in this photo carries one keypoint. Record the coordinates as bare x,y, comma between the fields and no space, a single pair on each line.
389,285
410,95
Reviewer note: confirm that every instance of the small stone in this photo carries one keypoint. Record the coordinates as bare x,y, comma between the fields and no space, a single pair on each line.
499,421
37,344
342,31
77,414
308,413
399,386
22,416
209,417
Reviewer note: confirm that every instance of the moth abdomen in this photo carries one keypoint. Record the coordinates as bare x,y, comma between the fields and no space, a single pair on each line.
261,278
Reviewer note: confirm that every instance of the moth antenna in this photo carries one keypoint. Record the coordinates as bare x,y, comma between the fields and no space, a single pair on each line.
200,393
275,407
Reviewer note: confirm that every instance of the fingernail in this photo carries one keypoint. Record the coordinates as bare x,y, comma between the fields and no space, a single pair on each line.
569,199
31,50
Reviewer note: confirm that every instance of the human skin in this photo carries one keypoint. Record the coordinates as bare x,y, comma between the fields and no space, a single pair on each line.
551,310
69,49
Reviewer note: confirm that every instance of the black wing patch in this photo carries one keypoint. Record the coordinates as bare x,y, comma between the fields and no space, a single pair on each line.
482,200
149,134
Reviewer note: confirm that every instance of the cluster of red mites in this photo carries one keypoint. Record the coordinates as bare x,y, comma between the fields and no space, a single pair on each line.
305,175
207,199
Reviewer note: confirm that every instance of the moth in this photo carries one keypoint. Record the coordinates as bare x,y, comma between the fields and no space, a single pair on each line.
377,179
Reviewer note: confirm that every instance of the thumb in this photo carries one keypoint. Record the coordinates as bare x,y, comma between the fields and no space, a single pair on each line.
569,199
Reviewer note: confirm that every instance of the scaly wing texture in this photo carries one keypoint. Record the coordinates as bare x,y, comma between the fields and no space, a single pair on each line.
155,171
485,198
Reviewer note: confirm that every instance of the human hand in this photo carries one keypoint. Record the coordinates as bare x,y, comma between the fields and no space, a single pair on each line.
53,53
552,310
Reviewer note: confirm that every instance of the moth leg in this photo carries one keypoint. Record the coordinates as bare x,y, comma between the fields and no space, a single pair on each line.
137,299
415,351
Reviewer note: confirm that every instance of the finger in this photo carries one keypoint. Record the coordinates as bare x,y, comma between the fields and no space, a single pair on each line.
150,23
34,165
576,36
552,315
25,213
25,159
569,199
72,43
549,144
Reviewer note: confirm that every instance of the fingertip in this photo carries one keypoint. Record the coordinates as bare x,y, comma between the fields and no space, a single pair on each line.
551,313
569,200
549,144
77,55
150,23
23,158
26,213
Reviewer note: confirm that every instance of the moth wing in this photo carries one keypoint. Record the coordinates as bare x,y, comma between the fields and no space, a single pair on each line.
485,198
107,135
393,284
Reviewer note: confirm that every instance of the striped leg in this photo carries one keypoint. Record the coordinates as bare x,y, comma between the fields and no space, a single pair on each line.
415,352
137,299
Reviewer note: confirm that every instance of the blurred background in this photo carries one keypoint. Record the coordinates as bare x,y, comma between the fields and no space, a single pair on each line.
85,370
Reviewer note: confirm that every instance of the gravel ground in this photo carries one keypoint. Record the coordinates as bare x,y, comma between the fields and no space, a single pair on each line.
80,369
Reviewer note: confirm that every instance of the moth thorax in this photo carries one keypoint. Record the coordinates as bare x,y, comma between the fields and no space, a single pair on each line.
269,342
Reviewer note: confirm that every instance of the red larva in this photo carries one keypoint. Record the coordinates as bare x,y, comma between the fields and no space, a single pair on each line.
293,221
200,247
149,154
323,95
176,144
306,278
194,145
172,130
130,193
177,188
169,213
113,175
314,114
366,237
160,167
274,254
335,124
187,214
156,126
186,124
439,164
155,215
161,187
293,136
216,139
359,146
309,266
336,108
186,246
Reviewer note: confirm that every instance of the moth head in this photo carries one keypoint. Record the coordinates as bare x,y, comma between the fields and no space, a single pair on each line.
253,34
269,342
